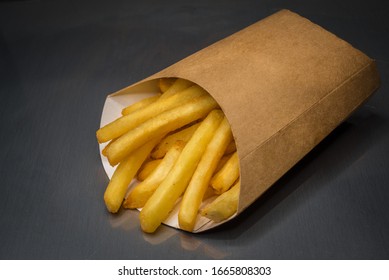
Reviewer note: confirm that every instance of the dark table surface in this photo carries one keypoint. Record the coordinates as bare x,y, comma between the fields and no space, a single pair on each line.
59,60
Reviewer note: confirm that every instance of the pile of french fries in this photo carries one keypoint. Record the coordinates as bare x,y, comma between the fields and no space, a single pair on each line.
179,146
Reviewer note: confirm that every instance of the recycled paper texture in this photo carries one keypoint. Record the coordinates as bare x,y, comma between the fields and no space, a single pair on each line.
284,84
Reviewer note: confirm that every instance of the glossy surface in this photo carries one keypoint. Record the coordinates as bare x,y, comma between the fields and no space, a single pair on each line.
58,61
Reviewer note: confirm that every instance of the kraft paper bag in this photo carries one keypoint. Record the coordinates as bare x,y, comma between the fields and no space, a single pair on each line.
284,83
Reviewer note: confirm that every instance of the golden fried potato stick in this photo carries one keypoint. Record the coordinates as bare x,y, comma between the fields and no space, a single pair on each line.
123,175
226,176
125,123
142,192
194,193
160,125
104,151
224,206
140,104
147,168
165,83
178,86
159,205
169,141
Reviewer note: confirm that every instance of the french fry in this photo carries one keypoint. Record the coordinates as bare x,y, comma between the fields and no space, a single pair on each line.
226,177
104,151
165,83
142,192
178,86
123,175
194,159
159,205
147,168
160,125
224,206
140,104
127,122
169,141
199,182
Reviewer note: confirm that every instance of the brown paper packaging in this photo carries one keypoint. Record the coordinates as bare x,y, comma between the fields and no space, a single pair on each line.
284,84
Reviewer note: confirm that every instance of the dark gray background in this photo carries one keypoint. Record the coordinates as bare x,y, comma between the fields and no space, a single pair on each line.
58,61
